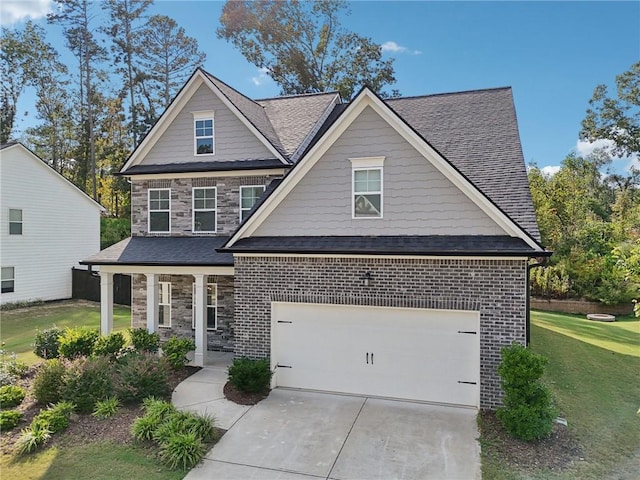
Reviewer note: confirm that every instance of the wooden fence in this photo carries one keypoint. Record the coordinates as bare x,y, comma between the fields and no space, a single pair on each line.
86,286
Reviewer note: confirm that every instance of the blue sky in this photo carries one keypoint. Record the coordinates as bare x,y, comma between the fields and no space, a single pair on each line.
552,54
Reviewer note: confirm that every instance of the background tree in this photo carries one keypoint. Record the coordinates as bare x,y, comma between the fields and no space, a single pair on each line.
616,119
303,47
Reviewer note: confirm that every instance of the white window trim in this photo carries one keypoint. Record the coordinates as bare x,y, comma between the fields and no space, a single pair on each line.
12,279
240,199
149,209
160,287
194,210
204,115
21,222
367,163
214,306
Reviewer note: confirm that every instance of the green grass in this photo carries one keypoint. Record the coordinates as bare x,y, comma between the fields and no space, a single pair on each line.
19,327
594,375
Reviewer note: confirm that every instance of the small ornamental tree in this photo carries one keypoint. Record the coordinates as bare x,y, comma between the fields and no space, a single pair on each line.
527,413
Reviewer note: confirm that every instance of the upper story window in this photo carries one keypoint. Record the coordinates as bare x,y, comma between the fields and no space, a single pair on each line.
203,133
8,279
164,304
204,209
249,195
212,307
15,221
159,210
367,187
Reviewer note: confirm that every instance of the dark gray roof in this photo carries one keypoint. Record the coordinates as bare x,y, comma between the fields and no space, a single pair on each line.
205,166
173,251
463,245
7,145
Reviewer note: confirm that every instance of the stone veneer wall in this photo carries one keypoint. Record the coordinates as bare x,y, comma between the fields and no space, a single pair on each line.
228,205
497,288
181,308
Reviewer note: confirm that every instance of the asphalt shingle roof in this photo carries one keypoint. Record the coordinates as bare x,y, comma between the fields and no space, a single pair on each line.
205,166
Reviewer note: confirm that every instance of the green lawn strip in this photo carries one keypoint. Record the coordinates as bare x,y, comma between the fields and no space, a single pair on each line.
19,327
98,461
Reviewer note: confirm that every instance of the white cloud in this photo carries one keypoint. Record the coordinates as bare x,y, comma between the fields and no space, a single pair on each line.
13,11
393,47
550,170
618,163
262,77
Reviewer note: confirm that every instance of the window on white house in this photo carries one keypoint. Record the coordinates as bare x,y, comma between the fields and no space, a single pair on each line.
212,307
204,209
203,130
164,304
15,221
159,210
367,192
249,195
8,279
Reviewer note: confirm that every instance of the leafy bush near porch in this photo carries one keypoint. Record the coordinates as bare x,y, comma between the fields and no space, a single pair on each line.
47,386
142,375
249,375
78,342
87,381
143,341
11,396
9,419
109,345
527,413
175,351
47,343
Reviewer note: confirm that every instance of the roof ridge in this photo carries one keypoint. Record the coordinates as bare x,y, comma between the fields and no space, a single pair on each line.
297,95
213,77
460,92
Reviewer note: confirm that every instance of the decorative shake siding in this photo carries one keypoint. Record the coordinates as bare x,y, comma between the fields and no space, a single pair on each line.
181,309
228,207
494,287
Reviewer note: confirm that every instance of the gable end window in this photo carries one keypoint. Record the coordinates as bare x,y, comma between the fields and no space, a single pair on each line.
164,304
15,221
204,210
8,279
212,307
249,195
203,133
367,187
159,210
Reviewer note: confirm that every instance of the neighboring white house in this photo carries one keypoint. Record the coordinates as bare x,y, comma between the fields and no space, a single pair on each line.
47,225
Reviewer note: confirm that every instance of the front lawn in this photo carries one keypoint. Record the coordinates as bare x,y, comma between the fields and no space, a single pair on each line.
593,373
19,326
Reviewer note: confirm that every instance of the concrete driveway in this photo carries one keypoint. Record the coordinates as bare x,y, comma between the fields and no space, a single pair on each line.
294,435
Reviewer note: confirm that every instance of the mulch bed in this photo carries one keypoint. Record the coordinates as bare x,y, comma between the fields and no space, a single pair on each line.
232,394
554,453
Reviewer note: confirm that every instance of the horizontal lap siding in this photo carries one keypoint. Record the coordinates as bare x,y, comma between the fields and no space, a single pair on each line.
497,288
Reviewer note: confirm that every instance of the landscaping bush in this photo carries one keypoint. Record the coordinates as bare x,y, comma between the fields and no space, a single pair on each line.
142,375
11,368
31,438
54,419
78,342
527,413
109,345
47,343
144,341
249,375
47,385
183,450
87,381
175,351
9,419
11,396
156,411
106,408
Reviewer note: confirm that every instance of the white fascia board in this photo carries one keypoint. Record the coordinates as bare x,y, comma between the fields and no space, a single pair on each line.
226,173
368,99
166,270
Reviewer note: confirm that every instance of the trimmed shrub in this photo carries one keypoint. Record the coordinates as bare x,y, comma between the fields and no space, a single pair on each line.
47,343
184,450
249,375
9,419
78,342
47,385
175,351
142,375
87,381
32,438
106,408
109,345
54,419
527,413
11,396
144,341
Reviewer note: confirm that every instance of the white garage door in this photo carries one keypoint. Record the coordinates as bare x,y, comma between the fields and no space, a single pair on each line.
417,354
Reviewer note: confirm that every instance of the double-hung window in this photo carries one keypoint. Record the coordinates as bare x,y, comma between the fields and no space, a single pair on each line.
15,221
159,210
204,209
203,133
8,279
212,307
367,187
249,195
164,304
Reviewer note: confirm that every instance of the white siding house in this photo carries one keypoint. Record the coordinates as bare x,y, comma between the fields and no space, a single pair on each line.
47,225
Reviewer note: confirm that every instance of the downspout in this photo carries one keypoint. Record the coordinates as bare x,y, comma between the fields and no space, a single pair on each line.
539,263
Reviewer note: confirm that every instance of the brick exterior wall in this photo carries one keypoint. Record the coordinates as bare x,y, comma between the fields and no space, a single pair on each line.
228,205
181,309
497,288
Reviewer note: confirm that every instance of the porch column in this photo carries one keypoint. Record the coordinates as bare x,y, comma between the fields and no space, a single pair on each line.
106,303
200,309
152,302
